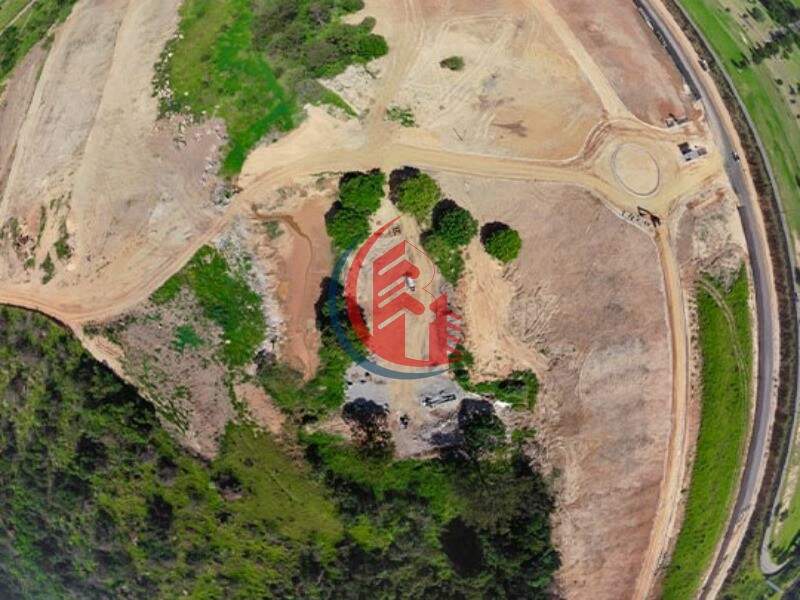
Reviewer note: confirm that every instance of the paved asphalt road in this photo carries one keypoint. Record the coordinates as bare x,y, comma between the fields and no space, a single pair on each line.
765,310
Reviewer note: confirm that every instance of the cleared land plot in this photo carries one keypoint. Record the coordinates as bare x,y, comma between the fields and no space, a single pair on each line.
726,350
604,405
615,33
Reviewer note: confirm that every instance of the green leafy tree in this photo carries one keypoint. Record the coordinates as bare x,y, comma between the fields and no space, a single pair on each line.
503,244
362,192
418,195
456,225
446,257
347,228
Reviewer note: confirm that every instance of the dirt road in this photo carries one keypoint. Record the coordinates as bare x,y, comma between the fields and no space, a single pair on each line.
675,462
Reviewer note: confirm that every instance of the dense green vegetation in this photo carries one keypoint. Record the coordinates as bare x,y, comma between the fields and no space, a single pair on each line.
519,389
454,63
453,228
414,193
726,349
253,63
501,241
9,10
360,196
97,501
226,299
17,39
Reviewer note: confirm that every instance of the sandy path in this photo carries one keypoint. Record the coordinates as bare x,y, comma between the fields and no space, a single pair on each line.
675,461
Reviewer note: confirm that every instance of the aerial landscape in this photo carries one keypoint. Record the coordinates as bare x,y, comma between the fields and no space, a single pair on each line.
399,299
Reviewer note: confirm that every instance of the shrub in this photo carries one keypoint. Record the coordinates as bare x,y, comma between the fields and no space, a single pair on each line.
446,257
346,228
402,115
455,224
502,242
417,195
454,63
362,192
359,196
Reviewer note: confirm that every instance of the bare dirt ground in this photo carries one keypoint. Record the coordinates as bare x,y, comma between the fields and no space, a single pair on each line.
14,103
625,48
604,409
291,244
89,161
545,129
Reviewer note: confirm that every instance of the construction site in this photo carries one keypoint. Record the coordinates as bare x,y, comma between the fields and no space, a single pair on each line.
619,190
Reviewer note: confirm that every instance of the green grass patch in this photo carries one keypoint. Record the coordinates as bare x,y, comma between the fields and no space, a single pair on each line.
226,299
62,247
9,9
726,350
253,63
186,337
48,269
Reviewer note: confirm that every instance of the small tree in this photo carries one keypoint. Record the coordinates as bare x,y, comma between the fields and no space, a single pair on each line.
362,192
369,425
456,225
346,227
503,243
418,195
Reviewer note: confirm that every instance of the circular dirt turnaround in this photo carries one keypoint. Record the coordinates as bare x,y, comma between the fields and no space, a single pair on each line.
635,169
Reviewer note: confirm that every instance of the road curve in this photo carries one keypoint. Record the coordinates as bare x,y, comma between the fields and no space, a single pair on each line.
765,295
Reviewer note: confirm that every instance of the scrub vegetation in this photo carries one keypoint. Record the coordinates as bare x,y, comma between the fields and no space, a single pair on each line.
226,299
726,350
519,389
254,63
98,501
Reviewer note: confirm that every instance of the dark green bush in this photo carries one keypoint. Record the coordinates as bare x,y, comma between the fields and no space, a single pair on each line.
502,242
417,195
454,63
